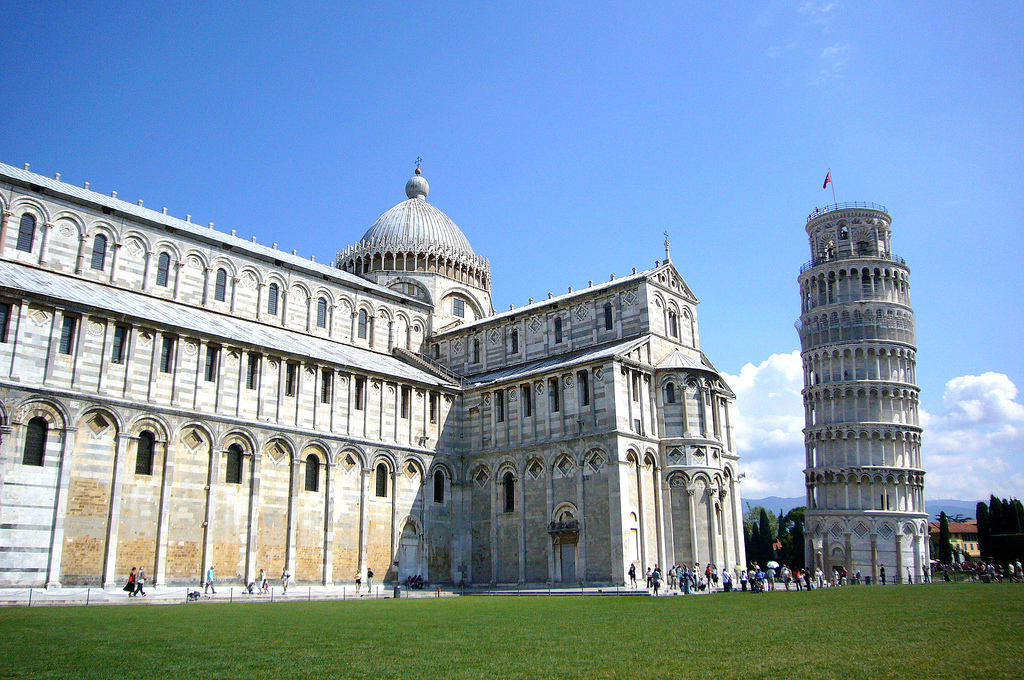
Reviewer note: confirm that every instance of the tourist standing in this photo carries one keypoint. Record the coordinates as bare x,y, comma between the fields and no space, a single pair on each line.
726,581
881,573
264,585
656,579
210,578
369,580
285,577
632,575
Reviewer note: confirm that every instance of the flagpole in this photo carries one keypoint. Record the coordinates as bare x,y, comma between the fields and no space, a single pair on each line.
833,183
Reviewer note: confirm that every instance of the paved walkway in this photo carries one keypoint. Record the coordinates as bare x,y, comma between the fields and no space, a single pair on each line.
71,596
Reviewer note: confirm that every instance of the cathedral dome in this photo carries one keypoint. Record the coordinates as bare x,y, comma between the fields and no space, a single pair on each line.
414,237
416,225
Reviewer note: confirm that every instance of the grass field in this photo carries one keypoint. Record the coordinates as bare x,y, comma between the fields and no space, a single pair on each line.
936,631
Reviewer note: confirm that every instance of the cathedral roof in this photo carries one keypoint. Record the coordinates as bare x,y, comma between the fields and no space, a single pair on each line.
417,226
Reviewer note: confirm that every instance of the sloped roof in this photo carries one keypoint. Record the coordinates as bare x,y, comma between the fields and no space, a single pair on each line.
207,235
87,295
555,363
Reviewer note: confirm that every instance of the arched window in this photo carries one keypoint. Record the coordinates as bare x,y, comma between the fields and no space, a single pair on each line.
99,252
273,292
221,289
163,269
438,486
26,232
144,453
35,441
382,480
363,323
670,393
509,482
312,473
558,329
321,313
607,316
233,474
673,324
515,341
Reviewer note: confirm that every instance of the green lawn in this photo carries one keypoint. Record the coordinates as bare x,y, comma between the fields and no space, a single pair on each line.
938,631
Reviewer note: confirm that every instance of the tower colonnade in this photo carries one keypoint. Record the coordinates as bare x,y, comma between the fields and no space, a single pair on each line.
864,476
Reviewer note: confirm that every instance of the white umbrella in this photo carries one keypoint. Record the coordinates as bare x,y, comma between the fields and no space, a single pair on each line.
773,565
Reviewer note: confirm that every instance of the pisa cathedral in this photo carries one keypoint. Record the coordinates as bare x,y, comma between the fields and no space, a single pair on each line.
864,477
176,398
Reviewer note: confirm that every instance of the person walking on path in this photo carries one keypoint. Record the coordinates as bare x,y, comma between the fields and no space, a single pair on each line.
881,573
140,581
632,575
130,586
656,579
210,578
264,585
285,577
369,580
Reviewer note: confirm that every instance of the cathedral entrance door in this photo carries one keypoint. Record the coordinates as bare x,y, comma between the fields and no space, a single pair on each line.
409,554
567,553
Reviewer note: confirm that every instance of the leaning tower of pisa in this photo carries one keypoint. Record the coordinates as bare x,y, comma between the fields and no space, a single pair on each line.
865,483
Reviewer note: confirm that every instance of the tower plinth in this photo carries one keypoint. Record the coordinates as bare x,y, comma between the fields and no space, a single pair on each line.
864,478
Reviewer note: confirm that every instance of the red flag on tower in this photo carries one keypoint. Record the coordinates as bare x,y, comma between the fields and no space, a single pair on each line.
828,180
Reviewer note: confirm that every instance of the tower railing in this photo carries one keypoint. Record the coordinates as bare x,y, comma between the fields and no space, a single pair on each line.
818,212
851,256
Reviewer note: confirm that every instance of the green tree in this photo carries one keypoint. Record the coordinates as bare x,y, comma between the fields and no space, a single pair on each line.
796,515
765,538
945,546
984,532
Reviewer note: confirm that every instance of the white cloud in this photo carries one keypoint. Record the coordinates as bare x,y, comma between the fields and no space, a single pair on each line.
974,447
971,449
768,425
832,62
816,7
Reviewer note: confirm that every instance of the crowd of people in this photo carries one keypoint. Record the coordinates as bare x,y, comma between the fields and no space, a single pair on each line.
773,576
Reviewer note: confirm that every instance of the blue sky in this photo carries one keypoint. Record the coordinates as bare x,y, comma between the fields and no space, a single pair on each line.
565,138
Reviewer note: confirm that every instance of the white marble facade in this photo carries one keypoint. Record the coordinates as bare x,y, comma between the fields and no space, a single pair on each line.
175,397
864,476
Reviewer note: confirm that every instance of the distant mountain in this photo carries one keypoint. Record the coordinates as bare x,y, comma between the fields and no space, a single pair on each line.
774,503
950,507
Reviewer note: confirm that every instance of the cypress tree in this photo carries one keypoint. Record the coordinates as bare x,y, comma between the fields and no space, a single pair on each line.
764,538
984,531
945,546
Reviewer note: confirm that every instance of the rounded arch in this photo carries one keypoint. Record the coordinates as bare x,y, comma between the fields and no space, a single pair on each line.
100,226
564,512
507,465
141,238
28,204
411,287
317,448
92,410
359,456
410,521
299,289
279,447
465,294
386,457
54,411
149,421
169,247
242,437
228,265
